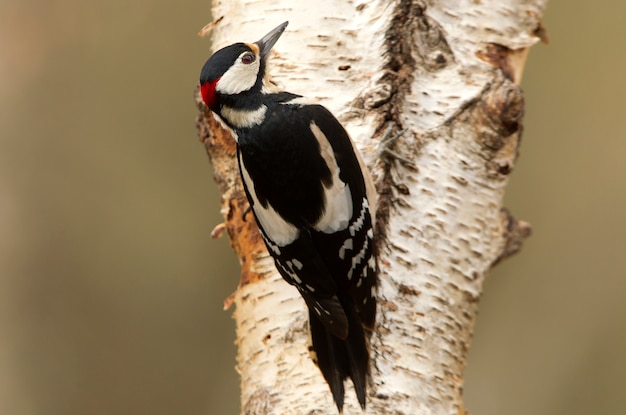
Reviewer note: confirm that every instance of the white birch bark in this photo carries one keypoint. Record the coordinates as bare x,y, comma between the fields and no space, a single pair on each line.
438,81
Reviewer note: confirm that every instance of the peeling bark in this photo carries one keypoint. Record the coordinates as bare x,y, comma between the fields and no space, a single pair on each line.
429,91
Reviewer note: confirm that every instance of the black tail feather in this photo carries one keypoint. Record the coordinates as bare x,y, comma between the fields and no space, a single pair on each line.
358,357
339,359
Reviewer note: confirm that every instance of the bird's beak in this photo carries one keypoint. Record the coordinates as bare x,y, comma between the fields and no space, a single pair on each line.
267,41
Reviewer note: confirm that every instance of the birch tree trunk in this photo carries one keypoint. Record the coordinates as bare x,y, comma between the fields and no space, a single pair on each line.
429,91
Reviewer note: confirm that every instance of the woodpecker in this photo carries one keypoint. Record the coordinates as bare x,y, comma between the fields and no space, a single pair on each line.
312,198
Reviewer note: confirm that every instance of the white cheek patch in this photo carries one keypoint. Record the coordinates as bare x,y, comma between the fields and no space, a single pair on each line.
338,198
275,227
239,78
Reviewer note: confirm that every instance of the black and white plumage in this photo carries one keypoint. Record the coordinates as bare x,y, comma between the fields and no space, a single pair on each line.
312,198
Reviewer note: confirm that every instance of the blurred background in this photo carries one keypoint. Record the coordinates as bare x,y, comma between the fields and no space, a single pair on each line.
112,290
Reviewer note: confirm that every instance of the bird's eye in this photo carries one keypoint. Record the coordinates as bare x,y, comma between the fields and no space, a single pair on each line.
248,58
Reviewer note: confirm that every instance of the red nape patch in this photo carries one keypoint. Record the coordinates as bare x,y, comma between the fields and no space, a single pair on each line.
208,92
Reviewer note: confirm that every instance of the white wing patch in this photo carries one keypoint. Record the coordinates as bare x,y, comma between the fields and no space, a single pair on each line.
338,199
347,244
275,227
358,223
356,260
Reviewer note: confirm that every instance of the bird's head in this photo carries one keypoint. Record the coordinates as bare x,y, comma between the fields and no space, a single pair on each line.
237,69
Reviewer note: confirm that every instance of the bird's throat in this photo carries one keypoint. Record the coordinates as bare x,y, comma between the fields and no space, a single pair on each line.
244,117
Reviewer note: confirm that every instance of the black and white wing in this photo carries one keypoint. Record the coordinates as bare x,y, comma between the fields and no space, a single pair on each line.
311,197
